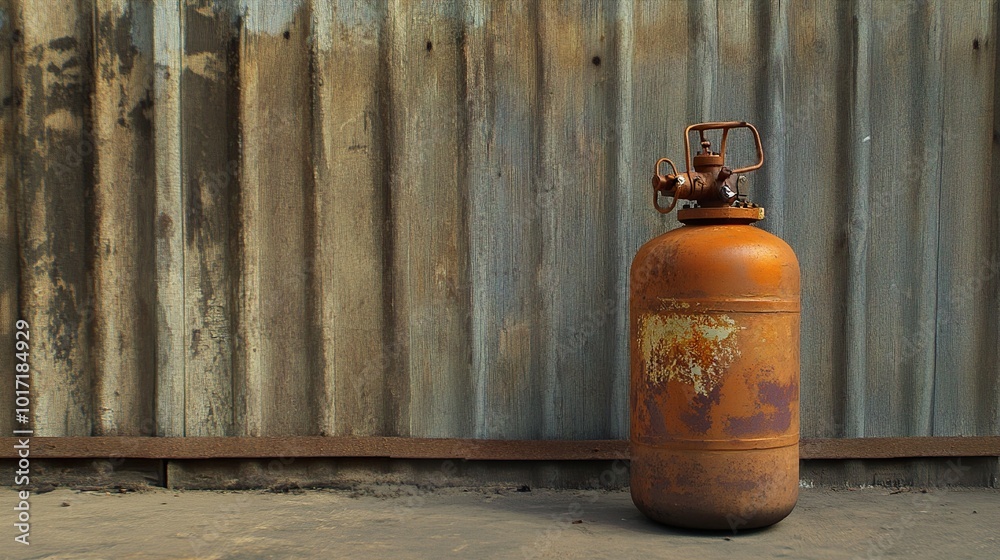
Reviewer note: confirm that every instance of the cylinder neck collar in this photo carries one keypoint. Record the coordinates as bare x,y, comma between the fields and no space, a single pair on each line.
721,214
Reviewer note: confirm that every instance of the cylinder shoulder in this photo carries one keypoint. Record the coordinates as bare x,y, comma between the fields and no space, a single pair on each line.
719,260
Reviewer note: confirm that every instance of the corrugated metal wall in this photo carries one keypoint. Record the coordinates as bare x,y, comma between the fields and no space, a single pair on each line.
415,218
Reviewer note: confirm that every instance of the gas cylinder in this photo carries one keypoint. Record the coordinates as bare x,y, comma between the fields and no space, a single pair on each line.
714,344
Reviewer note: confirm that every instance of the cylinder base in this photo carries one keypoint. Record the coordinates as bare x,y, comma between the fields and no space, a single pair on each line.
730,490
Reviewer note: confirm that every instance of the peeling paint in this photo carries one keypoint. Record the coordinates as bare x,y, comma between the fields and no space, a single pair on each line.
269,18
670,303
208,65
693,349
62,120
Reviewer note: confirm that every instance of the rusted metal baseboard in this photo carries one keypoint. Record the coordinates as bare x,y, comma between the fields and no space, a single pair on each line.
379,476
471,449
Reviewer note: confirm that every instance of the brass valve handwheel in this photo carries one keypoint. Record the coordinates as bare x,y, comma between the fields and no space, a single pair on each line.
661,183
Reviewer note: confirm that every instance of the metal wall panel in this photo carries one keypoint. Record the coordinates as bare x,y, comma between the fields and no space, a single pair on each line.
415,218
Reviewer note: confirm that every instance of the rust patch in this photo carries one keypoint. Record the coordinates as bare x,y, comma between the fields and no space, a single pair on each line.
776,400
163,226
654,420
745,426
693,349
697,419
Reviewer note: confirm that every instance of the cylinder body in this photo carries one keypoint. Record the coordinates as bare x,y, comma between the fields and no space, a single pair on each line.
714,340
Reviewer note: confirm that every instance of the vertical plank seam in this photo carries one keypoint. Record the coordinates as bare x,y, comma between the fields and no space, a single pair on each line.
11,194
477,304
90,217
251,416
181,30
396,413
940,184
855,421
311,237
88,165
996,180
624,53
183,215
18,116
93,218
324,394
548,346
466,415
539,318
775,113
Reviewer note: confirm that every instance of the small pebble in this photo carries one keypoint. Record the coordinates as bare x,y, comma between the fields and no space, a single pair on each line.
66,504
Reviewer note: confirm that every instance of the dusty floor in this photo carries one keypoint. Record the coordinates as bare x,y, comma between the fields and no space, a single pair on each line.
404,522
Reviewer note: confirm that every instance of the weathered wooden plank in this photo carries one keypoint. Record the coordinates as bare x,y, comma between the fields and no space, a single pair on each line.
818,58
123,335
772,106
901,301
395,349
470,449
627,192
430,236
506,204
209,172
702,33
747,60
275,120
53,75
349,146
858,176
742,62
751,85
168,218
247,366
9,285
578,158
992,424
968,265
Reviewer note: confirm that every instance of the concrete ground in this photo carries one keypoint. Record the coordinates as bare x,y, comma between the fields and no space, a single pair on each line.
405,522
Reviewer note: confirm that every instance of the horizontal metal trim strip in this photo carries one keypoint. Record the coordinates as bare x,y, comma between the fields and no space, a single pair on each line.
472,449
722,444
682,305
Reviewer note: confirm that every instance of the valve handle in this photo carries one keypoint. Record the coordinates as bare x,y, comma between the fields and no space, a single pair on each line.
725,127
662,183
707,184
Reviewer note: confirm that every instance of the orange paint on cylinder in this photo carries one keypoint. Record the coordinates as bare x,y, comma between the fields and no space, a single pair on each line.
714,340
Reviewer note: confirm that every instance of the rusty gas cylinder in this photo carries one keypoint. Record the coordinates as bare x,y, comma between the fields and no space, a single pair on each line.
714,340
